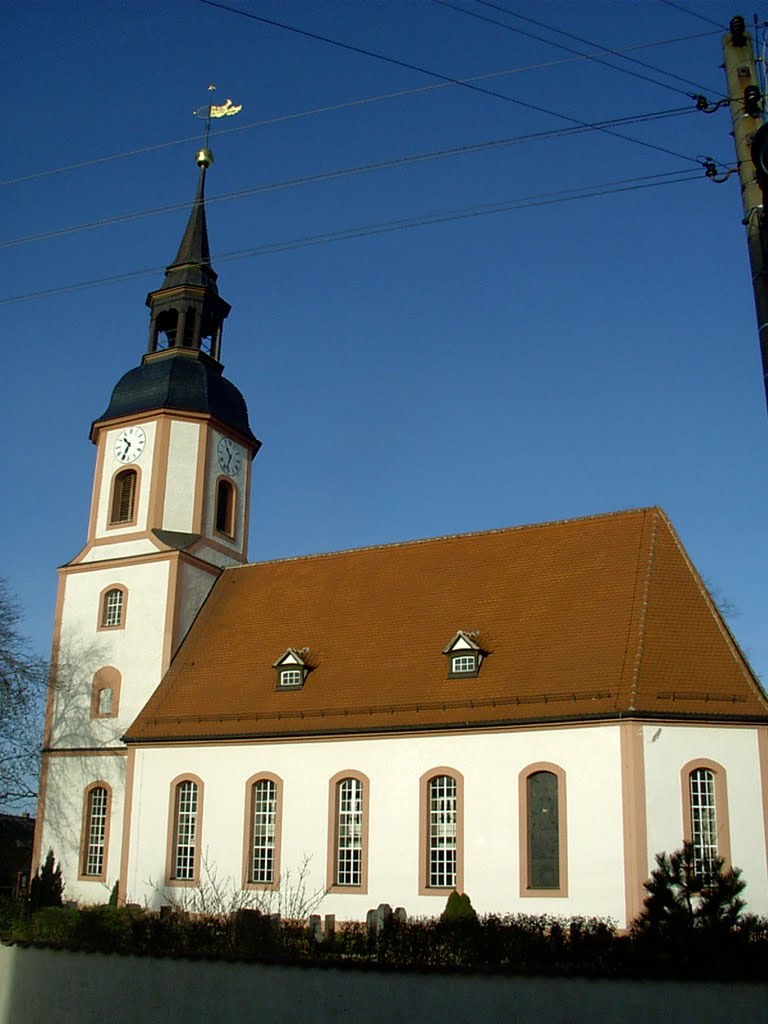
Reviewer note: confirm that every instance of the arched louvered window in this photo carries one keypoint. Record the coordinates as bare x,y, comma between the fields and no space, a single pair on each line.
123,497
225,507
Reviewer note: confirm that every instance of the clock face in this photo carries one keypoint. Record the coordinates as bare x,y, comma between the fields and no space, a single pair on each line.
130,444
230,458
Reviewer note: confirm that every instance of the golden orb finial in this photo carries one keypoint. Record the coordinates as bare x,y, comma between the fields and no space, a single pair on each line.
204,158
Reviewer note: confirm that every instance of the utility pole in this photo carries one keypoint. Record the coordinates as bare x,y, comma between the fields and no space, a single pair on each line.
746,103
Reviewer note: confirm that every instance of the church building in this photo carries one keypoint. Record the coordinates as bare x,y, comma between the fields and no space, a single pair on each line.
525,714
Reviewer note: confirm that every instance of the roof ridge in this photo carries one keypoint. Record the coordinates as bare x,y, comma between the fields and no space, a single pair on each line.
448,536
643,615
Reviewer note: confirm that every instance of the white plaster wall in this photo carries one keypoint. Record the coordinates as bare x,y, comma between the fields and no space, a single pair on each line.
111,466
182,476
120,549
136,650
195,587
68,777
490,763
669,747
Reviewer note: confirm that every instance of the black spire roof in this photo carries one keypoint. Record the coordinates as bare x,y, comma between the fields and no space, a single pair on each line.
181,368
192,265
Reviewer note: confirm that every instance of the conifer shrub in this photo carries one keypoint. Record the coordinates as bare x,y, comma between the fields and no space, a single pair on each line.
47,887
683,898
458,910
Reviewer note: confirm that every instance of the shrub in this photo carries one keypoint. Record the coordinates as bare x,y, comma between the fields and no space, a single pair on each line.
46,888
682,899
458,910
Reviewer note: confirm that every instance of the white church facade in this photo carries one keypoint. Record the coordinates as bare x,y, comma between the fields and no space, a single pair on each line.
527,715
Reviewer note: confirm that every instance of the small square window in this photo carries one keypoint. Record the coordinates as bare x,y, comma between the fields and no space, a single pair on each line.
291,677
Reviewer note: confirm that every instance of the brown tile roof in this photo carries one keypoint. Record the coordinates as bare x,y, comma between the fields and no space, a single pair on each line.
581,619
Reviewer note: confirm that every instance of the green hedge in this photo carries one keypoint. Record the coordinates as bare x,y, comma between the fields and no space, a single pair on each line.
521,943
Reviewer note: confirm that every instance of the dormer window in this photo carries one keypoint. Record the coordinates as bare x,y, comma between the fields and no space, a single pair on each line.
291,669
464,655
291,677
464,664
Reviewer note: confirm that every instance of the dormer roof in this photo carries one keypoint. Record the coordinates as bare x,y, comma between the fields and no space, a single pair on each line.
462,641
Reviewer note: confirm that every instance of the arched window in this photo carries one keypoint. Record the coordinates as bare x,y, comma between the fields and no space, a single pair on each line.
348,832
113,607
543,831
184,866
543,858
701,785
442,831
95,832
262,848
705,813
123,497
105,693
167,329
225,507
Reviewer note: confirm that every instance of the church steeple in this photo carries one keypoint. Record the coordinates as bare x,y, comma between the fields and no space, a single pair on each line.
187,312
182,368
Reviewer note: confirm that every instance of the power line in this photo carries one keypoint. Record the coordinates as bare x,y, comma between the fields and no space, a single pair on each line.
385,227
549,42
693,14
435,74
403,161
590,42
331,108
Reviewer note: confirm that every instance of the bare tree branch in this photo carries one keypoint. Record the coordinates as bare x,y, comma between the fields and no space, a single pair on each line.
22,705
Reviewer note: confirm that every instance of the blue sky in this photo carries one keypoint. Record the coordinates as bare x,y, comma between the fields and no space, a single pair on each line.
547,362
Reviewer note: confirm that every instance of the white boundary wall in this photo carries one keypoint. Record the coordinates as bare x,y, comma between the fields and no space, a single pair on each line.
86,988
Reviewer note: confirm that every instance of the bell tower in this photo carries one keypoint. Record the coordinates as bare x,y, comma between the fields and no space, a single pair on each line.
188,312
169,511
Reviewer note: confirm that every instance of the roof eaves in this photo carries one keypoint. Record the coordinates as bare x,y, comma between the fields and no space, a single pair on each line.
607,717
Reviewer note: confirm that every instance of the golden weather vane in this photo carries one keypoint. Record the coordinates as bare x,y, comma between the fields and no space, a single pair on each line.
210,111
